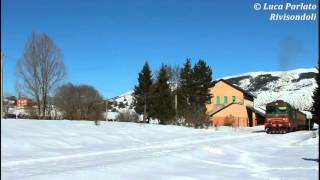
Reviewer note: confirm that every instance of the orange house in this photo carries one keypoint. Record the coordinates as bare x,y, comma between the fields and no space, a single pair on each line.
22,102
232,105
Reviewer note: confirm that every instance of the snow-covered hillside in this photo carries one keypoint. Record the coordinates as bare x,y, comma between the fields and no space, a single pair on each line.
64,150
295,86
122,102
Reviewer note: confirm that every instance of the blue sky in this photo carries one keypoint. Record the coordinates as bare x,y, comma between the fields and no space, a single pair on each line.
105,43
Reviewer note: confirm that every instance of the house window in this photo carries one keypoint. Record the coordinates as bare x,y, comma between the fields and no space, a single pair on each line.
226,100
233,99
218,100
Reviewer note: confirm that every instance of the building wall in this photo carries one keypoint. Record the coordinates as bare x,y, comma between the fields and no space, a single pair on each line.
248,103
222,89
254,119
235,114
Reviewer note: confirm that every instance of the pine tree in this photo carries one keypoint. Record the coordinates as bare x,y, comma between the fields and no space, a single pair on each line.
193,93
185,90
316,105
202,79
162,99
141,94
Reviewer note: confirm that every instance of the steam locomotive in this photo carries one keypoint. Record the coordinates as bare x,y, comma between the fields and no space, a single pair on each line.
282,118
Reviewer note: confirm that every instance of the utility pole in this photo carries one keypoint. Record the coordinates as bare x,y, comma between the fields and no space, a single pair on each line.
106,109
176,106
2,113
145,108
309,124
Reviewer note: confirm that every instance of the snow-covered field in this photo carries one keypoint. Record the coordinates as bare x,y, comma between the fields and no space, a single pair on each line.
59,150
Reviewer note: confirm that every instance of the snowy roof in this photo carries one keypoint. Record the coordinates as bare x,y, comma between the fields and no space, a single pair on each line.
308,114
258,111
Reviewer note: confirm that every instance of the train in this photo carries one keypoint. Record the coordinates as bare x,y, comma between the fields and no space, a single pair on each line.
282,118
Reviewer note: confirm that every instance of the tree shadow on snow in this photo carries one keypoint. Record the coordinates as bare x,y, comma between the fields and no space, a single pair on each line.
310,159
259,131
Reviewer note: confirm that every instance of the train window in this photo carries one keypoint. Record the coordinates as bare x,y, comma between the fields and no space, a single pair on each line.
276,110
282,110
271,110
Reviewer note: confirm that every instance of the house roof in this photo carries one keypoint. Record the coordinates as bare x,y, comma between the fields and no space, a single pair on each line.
236,87
308,114
256,111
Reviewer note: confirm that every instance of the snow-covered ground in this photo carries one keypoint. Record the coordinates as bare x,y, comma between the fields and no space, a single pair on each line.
40,150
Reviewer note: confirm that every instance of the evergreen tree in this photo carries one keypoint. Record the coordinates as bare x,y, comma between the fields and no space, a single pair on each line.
193,93
141,94
202,80
162,99
185,90
316,107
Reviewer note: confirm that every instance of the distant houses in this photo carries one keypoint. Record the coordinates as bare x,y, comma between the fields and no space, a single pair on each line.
232,105
21,102
9,103
26,108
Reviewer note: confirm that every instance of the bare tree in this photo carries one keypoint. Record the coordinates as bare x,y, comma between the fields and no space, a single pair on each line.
174,75
81,102
66,99
40,70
